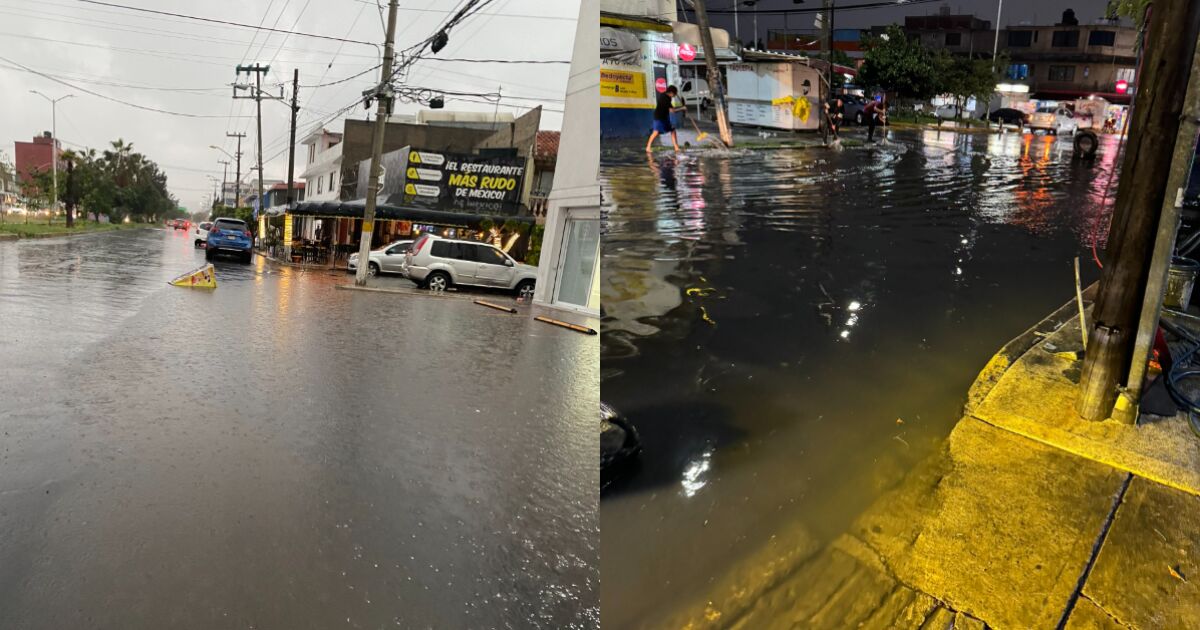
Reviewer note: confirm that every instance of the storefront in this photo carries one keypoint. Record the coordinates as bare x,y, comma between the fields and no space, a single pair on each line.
328,232
637,61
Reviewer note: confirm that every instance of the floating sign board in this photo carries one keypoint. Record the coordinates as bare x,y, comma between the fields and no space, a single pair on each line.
202,278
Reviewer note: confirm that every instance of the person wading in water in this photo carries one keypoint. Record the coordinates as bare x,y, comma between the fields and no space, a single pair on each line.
662,117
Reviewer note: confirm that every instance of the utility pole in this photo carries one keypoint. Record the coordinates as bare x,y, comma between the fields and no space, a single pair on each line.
54,143
292,138
1145,173
258,71
224,178
714,75
237,174
827,55
383,93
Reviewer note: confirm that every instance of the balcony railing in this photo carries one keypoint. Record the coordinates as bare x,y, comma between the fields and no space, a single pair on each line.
538,206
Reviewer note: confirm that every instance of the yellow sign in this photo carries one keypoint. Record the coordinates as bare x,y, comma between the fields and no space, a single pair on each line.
409,189
202,278
622,83
414,157
287,230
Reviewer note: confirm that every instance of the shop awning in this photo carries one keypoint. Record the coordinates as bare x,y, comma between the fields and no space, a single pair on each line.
387,212
619,45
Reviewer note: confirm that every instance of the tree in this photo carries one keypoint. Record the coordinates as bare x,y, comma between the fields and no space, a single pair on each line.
898,64
964,78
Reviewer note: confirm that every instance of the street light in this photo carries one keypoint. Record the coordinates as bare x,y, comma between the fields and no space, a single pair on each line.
54,144
213,146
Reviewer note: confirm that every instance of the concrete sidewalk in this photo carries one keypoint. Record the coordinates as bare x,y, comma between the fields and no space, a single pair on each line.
1028,517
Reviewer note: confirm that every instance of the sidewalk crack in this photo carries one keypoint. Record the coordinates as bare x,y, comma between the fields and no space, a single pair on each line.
1096,546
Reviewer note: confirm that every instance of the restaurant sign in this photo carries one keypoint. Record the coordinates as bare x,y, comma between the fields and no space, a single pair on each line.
450,181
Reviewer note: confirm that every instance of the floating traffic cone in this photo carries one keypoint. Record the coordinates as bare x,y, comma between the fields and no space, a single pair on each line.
202,278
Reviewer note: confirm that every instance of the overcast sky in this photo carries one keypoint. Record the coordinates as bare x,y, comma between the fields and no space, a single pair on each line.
1014,11
189,65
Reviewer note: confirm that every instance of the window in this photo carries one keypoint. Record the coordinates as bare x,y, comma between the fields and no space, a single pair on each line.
442,249
312,153
1065,39
1062,73
1102,38
1125,74
320,181
331,182
1020,39
1018,71
954,39
490,255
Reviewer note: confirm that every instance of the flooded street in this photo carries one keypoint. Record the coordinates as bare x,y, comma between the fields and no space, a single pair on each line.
199,459
792,330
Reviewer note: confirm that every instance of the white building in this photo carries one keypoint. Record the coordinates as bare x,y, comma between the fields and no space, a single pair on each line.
323,165
569,267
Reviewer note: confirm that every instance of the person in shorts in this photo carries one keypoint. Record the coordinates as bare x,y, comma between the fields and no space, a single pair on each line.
662,118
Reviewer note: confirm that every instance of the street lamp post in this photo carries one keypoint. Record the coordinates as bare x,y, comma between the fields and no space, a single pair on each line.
996,40
54,143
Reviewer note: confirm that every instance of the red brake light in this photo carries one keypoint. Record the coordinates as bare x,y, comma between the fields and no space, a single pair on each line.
248,234
420,244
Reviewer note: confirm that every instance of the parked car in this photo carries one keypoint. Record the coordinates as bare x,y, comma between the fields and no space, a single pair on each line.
854,108
1008,116
229,236
386,259
1054,119
696,91
202,233
439,263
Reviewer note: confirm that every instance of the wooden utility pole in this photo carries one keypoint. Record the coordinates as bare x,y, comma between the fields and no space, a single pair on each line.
292,138
714,75
1167,65
383,94
237,172
827,53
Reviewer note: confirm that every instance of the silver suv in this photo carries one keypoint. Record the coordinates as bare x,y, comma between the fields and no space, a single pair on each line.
437,263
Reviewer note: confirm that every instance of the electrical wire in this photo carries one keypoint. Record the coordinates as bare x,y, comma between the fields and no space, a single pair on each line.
504,15
1180,370
527,61
104,96
225,22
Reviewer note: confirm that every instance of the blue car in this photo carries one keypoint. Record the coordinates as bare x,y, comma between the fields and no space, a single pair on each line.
229,236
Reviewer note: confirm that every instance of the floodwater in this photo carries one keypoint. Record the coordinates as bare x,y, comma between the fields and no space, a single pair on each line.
276,453
792,330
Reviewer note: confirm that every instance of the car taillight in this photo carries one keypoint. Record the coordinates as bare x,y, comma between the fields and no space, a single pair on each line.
417,248
248,234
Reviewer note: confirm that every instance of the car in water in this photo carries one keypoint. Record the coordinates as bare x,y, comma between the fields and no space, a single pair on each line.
439,263
1008,116
201,236
229,236
178,224
386,259
1054,119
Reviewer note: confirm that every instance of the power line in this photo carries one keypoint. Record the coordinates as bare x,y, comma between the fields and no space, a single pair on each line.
351,77
505,15
104,96
225,22
529,61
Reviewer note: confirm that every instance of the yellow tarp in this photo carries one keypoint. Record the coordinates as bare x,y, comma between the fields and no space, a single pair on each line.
202,278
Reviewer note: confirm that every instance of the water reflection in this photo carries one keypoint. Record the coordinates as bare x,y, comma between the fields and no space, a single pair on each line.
801,302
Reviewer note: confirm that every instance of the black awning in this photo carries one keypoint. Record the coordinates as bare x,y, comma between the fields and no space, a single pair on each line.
388,212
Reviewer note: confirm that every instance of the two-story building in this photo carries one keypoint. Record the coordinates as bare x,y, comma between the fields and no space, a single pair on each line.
323,165
1062,61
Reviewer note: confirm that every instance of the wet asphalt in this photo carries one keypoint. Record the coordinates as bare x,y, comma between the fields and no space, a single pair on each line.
277,453
792,330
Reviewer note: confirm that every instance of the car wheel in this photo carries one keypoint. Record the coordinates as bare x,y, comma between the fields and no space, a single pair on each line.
858,119
372,270
437,281
208,254
525,289
247,258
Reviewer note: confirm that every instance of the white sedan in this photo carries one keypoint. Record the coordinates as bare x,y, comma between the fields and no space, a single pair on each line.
386,259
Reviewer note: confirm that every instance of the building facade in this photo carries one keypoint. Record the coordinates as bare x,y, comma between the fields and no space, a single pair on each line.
637,61
323,165
1062,61
36,156
569,266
